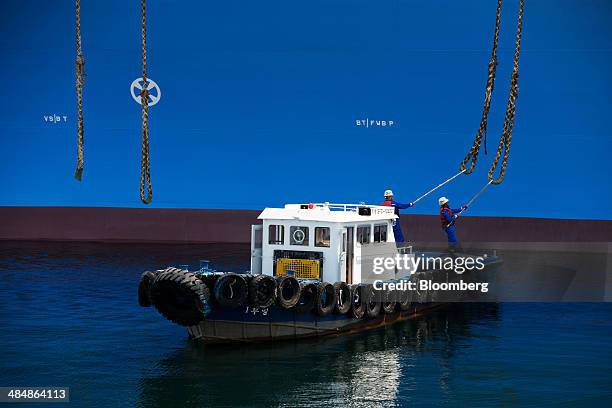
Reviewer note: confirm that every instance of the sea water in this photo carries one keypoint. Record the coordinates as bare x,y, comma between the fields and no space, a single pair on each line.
69,317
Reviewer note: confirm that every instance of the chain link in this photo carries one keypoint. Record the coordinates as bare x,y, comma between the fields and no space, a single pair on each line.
506,137
145,170
472,155
80,81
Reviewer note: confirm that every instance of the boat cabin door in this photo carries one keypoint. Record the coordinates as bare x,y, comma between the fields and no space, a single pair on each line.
256,248
348,254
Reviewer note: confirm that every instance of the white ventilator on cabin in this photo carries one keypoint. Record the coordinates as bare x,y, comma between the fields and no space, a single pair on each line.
318,241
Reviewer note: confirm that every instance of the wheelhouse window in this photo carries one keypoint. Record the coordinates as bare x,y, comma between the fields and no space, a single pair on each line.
299,236
276,235
363,234
322,237
380,233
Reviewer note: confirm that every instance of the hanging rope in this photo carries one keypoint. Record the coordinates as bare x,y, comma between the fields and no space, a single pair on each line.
437,187
506,137
145,171
80,81
472,155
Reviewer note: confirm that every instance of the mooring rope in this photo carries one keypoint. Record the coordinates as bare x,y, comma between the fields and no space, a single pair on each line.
477,194
506,137
472,155
466,206
80,81
438,186
145,171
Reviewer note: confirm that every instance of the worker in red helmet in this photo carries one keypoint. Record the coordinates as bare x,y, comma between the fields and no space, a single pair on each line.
390,202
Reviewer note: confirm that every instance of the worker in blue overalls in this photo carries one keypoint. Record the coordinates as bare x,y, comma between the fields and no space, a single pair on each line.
389,202
447,218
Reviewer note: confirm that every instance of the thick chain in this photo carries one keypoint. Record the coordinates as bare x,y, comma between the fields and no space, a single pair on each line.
80,81
506,138
472,155
145,171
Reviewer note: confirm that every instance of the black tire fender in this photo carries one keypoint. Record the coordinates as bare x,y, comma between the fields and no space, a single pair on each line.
389,302
308,298
180,297
262,291
144,288
358,301
326,299
405,299
288,292
344,298
231,290
373,301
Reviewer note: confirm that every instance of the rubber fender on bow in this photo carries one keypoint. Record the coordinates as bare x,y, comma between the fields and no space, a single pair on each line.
231,290
326,299
144,288
262,291
288,292
308,298
343,298
180,297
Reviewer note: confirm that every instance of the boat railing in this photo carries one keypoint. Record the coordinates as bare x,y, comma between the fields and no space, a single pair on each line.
343,207
404,249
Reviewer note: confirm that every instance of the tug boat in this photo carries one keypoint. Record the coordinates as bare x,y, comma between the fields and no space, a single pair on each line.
309,277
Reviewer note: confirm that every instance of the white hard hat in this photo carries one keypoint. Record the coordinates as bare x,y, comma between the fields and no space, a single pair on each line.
388,193
442,200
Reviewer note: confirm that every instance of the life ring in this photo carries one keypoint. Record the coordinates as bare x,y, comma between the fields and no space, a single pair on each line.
343,298
288,292
299,235
144,288
231,290
180,297
326,299
358,301
308,298
389,301
262,291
